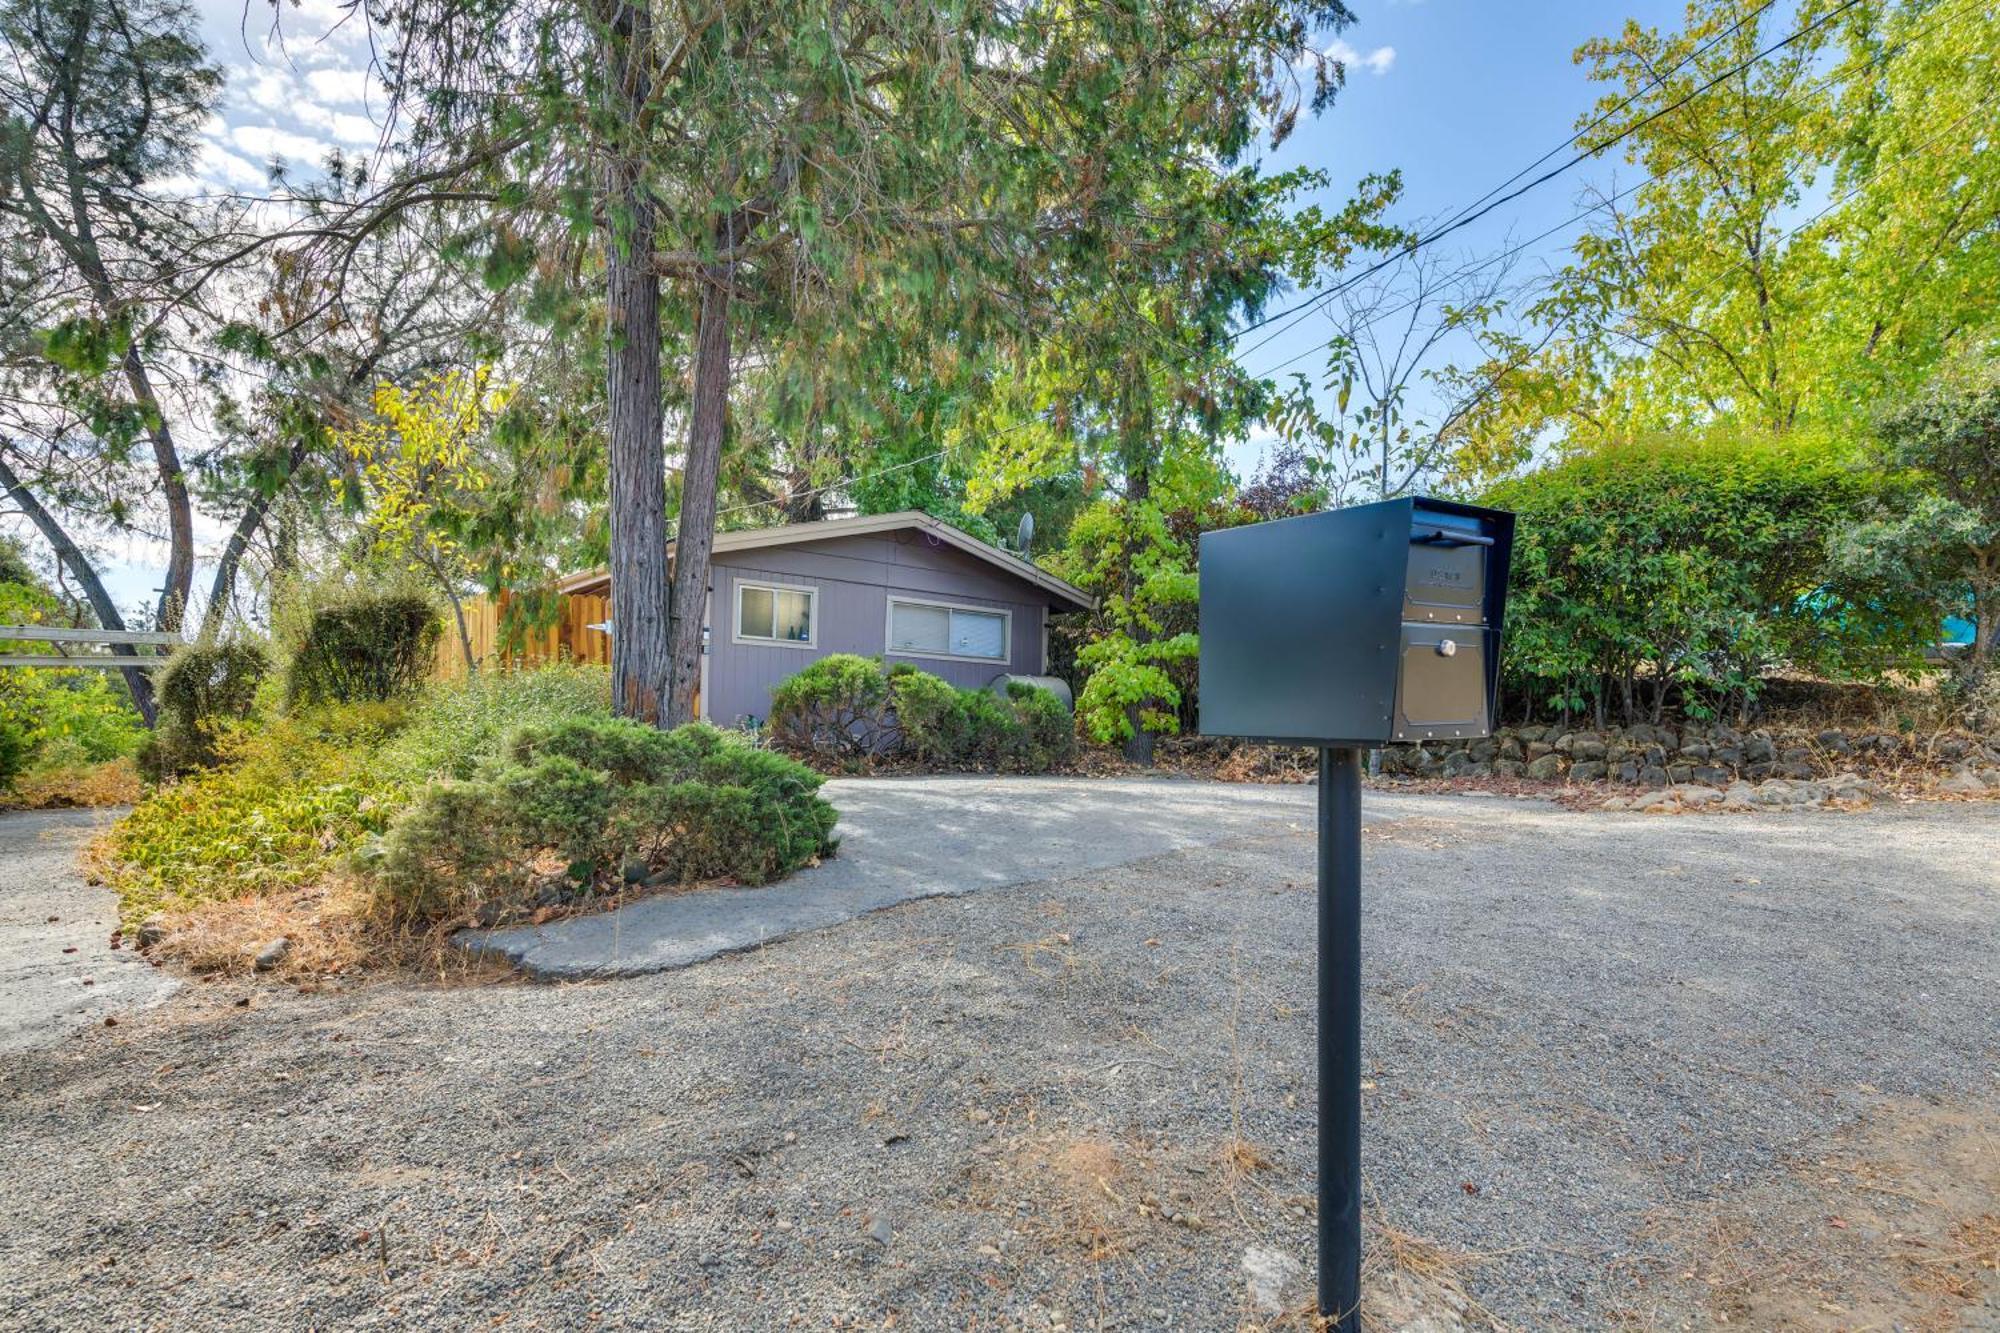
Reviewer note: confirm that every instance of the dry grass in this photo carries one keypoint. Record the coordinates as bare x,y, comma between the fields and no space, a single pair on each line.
1891,1226
77,786
333,928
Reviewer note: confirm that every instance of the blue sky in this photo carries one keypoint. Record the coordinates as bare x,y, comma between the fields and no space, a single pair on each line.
1458,94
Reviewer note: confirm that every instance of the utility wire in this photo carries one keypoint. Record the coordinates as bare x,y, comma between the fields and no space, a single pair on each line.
1876,61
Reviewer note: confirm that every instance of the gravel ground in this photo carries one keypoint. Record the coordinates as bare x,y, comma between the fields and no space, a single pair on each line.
1084,1102
58,970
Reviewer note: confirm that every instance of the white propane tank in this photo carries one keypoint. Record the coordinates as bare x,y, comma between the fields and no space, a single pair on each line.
1055,685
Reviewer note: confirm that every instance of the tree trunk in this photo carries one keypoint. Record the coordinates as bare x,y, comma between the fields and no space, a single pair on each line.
179,582
137,681
701,470
640,665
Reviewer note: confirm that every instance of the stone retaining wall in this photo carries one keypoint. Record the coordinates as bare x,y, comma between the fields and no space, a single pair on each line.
1711,755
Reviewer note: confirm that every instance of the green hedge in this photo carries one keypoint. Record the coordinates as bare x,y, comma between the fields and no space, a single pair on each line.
587,804
849,709
1692,567
204,690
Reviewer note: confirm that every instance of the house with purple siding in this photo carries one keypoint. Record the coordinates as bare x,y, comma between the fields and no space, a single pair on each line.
904,587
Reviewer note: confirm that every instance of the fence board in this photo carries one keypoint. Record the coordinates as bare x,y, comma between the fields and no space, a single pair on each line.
568,637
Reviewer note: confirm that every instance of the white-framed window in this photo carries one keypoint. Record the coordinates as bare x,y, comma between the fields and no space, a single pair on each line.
941,629
777,613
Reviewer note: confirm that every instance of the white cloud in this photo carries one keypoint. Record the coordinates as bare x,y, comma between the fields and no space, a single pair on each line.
216,163
339,86
1378,61
344,126
268,141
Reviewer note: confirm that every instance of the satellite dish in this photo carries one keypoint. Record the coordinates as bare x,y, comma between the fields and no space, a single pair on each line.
1024,534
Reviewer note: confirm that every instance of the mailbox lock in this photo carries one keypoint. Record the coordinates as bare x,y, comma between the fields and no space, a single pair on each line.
1447,648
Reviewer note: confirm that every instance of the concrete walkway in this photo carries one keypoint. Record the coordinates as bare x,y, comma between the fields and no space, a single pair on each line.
909,838
58,971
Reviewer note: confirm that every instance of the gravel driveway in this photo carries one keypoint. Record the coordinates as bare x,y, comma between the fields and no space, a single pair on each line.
58,970
1622,1071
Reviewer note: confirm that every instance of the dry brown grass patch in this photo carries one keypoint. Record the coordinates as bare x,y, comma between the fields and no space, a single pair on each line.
77,786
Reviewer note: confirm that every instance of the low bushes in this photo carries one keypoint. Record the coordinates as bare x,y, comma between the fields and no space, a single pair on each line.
290,798
851,709
588,804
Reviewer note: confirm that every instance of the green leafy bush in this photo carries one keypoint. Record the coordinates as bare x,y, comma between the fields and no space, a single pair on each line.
1692,567
280,808
855,709
587,803
204,691
365,648
833,707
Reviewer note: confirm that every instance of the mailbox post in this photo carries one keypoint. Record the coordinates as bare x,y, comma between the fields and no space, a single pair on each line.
1345,630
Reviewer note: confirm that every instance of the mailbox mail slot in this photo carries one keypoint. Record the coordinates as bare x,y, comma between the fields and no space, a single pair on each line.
1355,626
1447,575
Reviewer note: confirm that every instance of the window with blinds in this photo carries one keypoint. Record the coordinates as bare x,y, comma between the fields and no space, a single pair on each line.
927,629
765,612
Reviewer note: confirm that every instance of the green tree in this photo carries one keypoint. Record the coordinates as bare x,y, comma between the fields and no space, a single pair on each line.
1943,540
1817,229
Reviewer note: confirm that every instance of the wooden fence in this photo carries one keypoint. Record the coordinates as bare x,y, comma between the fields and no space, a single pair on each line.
570,637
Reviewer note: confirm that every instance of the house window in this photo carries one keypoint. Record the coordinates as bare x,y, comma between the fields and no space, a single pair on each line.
769,613
932,629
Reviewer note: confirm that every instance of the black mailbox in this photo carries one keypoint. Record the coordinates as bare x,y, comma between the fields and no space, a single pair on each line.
1355,627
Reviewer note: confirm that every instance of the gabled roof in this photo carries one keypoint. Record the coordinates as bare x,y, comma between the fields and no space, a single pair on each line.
1061,594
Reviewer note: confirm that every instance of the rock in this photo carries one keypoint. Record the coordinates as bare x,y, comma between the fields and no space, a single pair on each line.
1547,768
1834,741
1510,748
1659,803
1679,773
1455,764
1628,772
1536,749
1652,775
152,930
880,1230
634,871
1953,747
1665,738
1592,771
1616,803
1795,754
1962,784
1654,755
1726,756
1509,768
1710,775
1796,771
1528,734
1759,748
1483,750
1696,751
1760,770
1854,787
1695,797
1268,1272
487,914
272,954
1477,770
1588,749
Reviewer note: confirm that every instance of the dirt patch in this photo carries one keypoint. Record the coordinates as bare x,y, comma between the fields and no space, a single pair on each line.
1895,1223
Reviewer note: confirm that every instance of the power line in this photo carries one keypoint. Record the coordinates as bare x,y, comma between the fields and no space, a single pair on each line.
1876,61
1467,219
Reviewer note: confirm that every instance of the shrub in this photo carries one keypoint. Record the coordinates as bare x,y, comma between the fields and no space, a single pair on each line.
365,648
833,707
282,805
204,691
591,802
1691,566
859,709
936,725
456,725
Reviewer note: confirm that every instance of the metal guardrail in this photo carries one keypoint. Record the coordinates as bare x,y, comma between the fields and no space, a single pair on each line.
97,638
